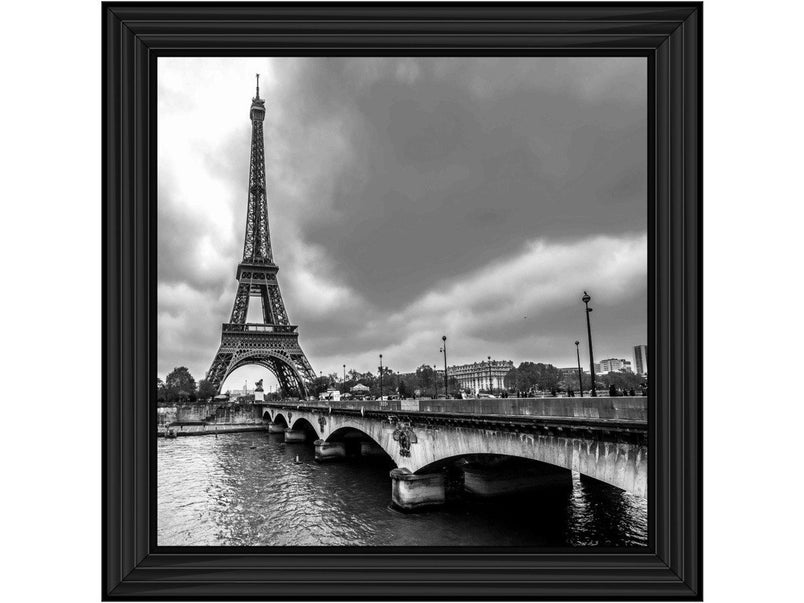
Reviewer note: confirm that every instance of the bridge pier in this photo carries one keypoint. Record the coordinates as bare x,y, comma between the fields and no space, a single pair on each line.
490,480
276,428
371,449
411,492
329,451
294,435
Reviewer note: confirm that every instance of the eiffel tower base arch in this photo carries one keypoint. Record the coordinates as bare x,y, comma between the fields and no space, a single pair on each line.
281,365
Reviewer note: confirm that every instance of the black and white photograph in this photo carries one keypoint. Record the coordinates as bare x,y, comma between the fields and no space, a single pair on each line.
402,301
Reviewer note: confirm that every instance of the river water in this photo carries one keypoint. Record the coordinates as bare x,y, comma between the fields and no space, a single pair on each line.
222,492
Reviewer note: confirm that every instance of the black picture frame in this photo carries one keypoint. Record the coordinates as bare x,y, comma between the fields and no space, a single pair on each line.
668,34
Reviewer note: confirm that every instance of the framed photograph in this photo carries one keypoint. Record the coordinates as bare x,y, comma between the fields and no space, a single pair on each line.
402,301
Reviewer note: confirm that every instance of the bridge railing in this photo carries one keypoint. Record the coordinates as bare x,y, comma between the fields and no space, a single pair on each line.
620,408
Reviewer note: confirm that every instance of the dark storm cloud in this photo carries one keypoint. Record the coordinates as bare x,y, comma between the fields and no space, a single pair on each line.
413,196
461,178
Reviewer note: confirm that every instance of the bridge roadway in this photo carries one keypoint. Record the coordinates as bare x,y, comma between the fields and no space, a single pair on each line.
604,438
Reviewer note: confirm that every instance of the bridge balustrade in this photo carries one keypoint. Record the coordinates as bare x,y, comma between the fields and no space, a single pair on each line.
620,408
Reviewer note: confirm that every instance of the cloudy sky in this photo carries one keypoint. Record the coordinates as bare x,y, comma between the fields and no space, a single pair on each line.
409,198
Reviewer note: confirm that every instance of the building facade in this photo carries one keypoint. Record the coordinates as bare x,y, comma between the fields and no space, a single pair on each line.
613,365
641,359
483,375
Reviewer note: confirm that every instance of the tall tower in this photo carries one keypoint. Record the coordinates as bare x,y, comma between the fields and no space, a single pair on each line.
273,342
641,359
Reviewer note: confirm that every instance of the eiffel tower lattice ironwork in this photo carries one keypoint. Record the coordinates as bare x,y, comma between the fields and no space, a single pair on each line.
274,342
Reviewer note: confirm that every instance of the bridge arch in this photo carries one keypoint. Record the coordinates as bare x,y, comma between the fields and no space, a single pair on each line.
304,424
279,419
483,459
620,464
356,441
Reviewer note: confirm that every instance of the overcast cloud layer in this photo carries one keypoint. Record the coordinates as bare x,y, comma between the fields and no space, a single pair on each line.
409,198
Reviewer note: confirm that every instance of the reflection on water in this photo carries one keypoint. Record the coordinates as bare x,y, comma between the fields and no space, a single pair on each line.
221,492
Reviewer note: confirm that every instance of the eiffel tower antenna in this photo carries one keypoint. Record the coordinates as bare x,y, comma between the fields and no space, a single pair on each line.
272,342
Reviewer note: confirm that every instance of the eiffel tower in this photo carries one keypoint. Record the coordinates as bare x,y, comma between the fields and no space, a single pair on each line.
274,342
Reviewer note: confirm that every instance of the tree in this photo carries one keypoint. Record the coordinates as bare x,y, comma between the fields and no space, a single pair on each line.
623,380
206,390
569,383
320,385
426,377
161,394
404,390
510,379
388,382
179,385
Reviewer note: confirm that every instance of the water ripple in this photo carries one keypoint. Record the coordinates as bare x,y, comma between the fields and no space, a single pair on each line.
221,492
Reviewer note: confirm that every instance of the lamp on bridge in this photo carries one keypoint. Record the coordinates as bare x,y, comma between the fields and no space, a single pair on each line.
580,372
380,376
444,349
344,378
586,299
491,389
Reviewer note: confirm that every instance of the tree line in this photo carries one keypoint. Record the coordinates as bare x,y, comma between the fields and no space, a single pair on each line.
535,377
529,378
180,386
423,382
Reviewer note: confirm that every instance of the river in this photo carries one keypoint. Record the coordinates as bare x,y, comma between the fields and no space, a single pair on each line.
224,492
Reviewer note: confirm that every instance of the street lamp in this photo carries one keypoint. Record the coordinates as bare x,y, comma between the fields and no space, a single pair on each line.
491,389
380,376
344,377
446,383
586,299
580,373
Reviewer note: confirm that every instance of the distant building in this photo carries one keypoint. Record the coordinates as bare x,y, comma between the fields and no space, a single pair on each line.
641,359
571,371
330,394
481,375
613,365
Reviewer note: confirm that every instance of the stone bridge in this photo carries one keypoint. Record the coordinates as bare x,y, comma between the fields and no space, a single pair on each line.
602,438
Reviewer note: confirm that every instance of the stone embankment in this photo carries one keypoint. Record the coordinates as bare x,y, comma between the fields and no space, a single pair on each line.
212,429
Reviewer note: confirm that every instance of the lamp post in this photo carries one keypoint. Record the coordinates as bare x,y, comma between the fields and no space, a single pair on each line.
344,377
491,389
580,373
380,376
444,349
435,381
586,299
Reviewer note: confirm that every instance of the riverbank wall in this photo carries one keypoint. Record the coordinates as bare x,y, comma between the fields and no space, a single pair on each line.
189,414
209,429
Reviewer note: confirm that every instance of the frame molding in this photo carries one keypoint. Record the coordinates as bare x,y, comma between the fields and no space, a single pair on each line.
668,34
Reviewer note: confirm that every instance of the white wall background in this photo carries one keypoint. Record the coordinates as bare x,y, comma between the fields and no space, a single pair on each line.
51,158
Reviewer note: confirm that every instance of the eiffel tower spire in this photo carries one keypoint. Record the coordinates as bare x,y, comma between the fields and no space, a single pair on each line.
257,245
273,341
